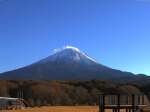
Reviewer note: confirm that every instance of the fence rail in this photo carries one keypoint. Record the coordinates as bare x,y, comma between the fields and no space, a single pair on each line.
116,102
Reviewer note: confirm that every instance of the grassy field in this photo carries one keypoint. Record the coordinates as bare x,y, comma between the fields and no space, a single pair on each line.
64,109
60,109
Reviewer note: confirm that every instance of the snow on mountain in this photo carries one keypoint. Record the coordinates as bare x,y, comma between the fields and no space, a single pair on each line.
67,63
69,54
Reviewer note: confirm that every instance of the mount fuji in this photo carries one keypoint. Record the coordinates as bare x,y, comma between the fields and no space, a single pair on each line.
68,63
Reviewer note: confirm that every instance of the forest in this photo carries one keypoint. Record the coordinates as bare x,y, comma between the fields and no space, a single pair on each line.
46,93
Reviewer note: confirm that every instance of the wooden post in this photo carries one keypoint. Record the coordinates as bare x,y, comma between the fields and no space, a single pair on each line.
133,103
126,103
101,103
142,99
139,100
118,105
113,109
129,109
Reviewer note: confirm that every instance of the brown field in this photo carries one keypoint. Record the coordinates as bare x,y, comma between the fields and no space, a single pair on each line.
60,109
64,109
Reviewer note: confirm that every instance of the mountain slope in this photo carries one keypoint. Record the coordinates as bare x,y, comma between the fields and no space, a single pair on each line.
68,63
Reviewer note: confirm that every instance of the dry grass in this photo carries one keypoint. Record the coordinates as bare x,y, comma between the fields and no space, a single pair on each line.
64,109
60,109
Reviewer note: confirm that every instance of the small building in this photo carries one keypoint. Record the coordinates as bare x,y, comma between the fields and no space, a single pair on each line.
7,103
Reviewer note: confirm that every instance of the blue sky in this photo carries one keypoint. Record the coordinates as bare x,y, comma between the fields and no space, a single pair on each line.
114,32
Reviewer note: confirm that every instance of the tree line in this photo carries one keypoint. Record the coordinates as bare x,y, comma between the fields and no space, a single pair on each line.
42,93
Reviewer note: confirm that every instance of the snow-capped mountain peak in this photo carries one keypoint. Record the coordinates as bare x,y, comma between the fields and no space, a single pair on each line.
67,48
74,52
67,63
69,54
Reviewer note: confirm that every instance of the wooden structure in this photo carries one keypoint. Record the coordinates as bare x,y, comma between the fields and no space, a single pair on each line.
7,103
118,102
